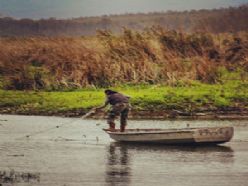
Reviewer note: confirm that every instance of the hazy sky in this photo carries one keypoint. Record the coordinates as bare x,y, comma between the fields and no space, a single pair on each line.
76,8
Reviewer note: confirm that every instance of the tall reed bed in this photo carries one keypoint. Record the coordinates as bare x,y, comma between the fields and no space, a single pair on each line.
154,56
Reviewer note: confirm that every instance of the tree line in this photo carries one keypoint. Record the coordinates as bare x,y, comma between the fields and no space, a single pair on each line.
233,19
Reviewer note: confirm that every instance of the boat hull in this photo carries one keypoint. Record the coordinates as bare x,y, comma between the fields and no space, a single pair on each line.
174,136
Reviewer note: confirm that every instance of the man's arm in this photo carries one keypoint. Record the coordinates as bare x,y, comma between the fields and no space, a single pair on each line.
103,106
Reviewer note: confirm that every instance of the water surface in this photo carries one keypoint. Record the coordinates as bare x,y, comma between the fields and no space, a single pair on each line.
71,151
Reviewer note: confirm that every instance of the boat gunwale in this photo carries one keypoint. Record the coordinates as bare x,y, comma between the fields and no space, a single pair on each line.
159,131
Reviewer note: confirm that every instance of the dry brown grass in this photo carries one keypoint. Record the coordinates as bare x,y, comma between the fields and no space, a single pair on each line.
153,56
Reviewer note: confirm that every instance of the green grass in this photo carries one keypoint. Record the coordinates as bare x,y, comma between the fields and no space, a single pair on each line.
195,96
51,101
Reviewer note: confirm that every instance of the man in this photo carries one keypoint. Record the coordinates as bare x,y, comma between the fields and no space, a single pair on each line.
119,106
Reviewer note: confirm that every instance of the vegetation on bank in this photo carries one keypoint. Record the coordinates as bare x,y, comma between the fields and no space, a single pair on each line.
160,69
191,97
154,56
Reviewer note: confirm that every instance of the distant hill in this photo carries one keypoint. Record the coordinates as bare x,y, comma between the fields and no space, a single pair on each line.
233,19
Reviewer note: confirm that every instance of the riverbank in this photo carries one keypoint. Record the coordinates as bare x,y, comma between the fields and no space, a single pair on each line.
231,114
194,100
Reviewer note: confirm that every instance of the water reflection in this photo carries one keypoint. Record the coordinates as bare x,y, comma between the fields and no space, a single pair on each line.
186,153
119,156
118,169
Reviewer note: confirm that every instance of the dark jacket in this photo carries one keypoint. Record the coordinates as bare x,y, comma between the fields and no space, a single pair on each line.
115,98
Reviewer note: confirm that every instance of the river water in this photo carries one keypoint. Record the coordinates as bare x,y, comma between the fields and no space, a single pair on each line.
53,151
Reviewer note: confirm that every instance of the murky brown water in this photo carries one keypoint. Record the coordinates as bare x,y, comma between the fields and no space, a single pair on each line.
80,153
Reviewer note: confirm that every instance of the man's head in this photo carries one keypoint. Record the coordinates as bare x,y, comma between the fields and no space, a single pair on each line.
109,92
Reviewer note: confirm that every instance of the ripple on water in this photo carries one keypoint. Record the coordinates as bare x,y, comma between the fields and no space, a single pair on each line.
82,154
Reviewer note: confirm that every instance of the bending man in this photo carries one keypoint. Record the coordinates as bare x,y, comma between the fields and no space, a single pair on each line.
119,106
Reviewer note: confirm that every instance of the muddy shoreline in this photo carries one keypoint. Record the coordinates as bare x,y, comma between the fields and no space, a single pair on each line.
228,113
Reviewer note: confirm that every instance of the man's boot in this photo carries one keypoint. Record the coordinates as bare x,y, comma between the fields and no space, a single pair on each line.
112,127
123,127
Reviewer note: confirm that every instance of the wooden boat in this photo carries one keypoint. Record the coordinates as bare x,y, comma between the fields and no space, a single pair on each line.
174,136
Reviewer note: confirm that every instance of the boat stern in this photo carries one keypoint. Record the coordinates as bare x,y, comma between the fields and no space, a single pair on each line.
213,135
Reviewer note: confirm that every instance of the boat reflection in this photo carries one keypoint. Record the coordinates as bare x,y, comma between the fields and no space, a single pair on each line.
172,148
120,156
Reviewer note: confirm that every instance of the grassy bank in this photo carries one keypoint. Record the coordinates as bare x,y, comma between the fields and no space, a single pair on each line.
188,98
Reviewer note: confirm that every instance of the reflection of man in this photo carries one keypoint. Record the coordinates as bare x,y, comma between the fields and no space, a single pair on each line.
118,170
119,106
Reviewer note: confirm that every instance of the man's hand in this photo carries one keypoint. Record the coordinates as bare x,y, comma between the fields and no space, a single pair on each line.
97,109
101,107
